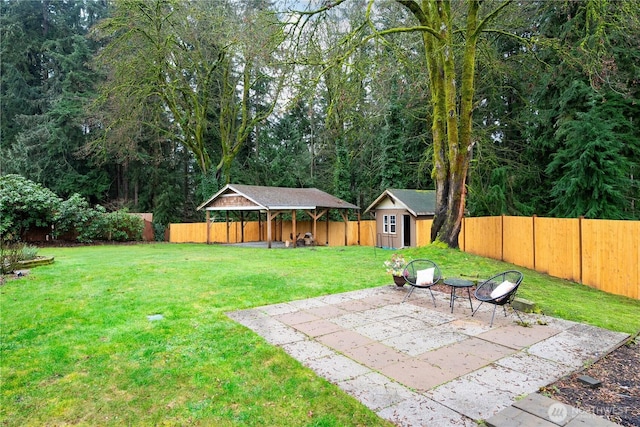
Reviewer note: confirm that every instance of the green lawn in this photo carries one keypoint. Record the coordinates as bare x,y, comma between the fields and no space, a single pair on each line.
78,348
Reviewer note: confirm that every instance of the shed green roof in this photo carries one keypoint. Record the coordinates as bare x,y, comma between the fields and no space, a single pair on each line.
417,202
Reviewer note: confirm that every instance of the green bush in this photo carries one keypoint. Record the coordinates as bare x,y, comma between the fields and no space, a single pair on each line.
120,226
24,204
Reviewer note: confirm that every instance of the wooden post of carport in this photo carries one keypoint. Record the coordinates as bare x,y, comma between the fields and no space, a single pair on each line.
242,226
294,228
315,215
270,218
327,227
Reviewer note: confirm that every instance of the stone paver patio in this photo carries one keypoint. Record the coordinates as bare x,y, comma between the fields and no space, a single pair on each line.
419,365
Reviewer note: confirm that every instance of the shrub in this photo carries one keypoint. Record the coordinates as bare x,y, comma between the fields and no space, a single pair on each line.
24,204
121,226
90,224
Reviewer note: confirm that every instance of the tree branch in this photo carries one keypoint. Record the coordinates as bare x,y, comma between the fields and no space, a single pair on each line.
490,16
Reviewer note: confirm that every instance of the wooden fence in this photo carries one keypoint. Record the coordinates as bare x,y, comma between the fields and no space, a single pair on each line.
331,234
602,254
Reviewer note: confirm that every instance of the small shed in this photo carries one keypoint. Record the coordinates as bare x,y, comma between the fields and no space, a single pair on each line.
274,201
396,212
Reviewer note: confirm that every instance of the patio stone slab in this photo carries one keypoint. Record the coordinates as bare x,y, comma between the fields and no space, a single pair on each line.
351,320
336,368
451,358
378,314
307,350
282,335
317,328
417,342
344,340
305,304
376,391
376,355
296,318
467,326
418,374
275,309
356,306
518,337
336,299
485,350
326,312
470,398
513,382
545,408
393,327
512,417
535,366
577,345
423,411
430,316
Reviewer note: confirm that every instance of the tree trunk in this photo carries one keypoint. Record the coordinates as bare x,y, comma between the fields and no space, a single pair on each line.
452,110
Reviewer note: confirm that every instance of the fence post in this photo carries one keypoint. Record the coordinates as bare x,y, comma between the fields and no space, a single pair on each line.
502,237
208,227
464,233
580,218
533,224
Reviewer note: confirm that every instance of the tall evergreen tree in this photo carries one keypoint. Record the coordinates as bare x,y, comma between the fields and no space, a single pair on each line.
45,84
585,106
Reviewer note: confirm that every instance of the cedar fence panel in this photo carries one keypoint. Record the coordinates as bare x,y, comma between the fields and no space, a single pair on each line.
518,241
483,236
423,232
611,256
557,247
188,233
197,232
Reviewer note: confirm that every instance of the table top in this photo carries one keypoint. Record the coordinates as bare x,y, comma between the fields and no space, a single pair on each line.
458,283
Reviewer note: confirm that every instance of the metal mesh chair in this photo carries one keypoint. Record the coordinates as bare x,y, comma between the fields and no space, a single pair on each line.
499,290
421,273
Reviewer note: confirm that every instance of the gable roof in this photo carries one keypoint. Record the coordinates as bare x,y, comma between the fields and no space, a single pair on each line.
255,197
417,202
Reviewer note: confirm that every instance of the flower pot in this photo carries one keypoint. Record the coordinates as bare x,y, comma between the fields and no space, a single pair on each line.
399,280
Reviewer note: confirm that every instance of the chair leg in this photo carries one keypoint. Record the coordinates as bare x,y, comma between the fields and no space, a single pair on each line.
433,298
477,308
517,313
493,315
408,294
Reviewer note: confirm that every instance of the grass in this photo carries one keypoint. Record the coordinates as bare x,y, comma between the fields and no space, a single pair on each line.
77,346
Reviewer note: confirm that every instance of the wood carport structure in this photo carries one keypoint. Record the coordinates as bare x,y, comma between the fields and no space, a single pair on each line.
274,201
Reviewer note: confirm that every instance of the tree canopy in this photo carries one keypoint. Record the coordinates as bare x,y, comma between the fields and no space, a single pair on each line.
502,107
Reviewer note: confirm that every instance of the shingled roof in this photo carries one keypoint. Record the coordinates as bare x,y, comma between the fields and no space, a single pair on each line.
255,197
417,202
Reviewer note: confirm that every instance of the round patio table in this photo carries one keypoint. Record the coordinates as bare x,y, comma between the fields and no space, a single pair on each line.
455,284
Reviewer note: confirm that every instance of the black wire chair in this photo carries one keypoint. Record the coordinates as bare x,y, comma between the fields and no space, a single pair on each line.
423,274
499,290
